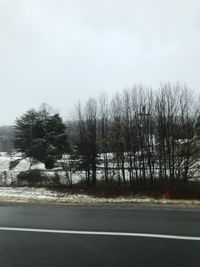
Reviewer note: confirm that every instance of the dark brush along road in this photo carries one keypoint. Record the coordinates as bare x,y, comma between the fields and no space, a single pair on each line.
99,235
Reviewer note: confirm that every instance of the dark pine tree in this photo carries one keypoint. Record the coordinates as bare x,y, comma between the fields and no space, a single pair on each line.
41,136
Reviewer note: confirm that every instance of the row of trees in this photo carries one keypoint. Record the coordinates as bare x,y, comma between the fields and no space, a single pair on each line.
138,137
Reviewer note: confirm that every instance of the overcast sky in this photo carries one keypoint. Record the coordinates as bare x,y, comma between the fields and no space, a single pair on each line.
60,51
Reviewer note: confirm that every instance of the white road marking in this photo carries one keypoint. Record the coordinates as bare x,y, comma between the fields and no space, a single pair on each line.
177,237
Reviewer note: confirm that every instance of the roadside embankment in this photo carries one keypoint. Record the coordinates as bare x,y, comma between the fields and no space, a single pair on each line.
43,195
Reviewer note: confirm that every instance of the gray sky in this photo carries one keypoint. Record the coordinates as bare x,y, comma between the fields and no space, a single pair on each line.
60,51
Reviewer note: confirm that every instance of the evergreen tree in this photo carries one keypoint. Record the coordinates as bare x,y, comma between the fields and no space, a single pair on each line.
41,136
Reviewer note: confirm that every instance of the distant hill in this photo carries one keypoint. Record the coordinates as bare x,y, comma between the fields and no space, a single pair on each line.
6,137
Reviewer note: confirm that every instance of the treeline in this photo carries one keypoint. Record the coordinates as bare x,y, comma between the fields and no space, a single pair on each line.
139,137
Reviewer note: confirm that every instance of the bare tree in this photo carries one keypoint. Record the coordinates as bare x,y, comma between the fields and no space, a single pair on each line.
85,147
116,137
153,136
103,134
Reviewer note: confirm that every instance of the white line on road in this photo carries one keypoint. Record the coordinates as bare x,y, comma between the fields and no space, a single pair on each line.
177,237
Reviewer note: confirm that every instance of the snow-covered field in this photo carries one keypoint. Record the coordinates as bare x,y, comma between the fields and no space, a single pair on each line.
8,176
23,165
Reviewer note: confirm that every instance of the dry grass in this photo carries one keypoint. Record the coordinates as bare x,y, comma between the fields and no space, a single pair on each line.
86,199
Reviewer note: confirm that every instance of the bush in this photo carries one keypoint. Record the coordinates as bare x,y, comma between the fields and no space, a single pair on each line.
49,162
32,178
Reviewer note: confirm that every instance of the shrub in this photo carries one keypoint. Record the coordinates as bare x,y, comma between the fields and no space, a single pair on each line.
32,178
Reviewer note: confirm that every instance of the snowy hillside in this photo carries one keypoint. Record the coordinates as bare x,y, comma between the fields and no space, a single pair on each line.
23,165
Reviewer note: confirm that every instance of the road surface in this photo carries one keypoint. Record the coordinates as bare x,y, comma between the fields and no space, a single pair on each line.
101,235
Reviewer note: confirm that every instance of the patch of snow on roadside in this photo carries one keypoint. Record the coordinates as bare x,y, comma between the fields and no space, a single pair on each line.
26,192
31,193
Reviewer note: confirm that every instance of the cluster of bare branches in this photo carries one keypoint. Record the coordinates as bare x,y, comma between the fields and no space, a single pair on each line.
140,136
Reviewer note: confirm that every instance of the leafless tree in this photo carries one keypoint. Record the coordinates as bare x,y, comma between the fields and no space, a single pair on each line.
103,134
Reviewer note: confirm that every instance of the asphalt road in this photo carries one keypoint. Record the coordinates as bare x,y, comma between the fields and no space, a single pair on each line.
33,249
